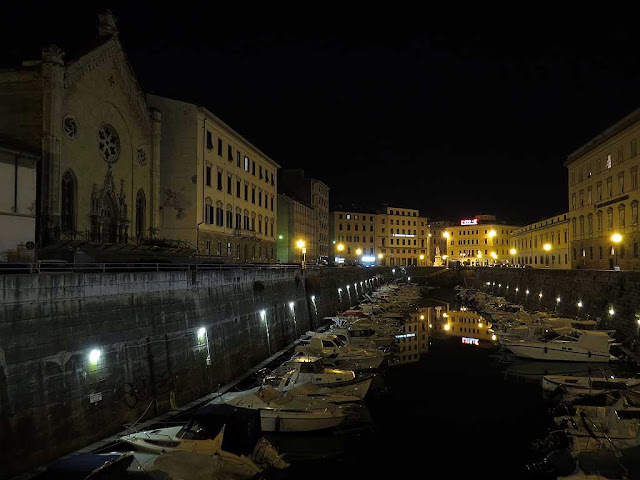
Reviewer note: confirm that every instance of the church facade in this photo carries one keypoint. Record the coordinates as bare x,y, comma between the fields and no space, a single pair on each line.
98,175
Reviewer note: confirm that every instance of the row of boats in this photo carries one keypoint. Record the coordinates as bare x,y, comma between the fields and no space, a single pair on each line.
541,335
594,421
319,388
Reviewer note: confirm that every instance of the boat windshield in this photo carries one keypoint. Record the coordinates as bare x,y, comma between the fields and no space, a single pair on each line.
549,336
363,332
193,431
339,342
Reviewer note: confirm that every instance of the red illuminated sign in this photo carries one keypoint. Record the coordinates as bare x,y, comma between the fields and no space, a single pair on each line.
469,221
470,341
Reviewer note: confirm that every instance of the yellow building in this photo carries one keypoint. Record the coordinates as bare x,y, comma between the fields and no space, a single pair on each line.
353,237
544,244
414,339
402,237
603,198
470,327
479,241
218,190
296,230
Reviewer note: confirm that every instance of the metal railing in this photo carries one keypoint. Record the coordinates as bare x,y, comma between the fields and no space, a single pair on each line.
61,267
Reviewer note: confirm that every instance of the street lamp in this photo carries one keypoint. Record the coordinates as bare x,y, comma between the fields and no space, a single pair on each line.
301,245
358,251
616,238
444,257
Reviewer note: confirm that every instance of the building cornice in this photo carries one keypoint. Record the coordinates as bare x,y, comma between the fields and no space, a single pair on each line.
600,139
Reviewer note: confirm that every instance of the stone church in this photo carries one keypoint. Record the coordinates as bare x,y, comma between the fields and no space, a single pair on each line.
99,143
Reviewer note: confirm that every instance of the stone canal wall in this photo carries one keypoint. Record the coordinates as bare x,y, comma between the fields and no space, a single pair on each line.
81,355
598,290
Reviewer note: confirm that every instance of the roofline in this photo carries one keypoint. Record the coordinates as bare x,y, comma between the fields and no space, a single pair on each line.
226,127
236,134
598,140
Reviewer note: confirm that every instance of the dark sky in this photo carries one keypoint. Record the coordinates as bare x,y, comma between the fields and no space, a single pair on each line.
454,118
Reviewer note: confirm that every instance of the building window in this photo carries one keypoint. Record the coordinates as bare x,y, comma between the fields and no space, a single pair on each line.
238,159
208,212
229,185
621,219
581,225
272,204
634,212
253,168
599,191
610,218
609,187
246,192
209,140
589,199
238,220
253,195
600,252
634,148
621,182
620,156
220,146
219,180
608,161
219,216
581,197
599,215
247,164
573,201
230,153
140,209
68,207
260,172
589,224
635,249
238,188
229,219
208,179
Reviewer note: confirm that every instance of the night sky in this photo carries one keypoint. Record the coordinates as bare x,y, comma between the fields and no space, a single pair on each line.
455,118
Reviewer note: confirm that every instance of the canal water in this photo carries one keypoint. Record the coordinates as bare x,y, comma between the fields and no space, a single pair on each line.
461,410
452,411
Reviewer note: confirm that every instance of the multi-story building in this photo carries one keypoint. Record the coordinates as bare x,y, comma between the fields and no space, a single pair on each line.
479,241
353,237
315,193
218,190
296,225
17,204
98,142
544,244
402,237
603,198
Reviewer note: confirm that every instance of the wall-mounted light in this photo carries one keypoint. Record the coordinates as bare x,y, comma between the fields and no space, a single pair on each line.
94,356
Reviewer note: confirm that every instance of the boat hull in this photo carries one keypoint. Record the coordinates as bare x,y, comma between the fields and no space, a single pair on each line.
279,421
542,351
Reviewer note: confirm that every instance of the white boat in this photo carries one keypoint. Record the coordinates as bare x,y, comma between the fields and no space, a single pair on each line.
571,346
574,385
285,412
205,434
310,369
335,352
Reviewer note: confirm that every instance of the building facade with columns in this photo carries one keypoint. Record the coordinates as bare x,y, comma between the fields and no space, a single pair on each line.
603,198
97,139
544,244
218,192
481,240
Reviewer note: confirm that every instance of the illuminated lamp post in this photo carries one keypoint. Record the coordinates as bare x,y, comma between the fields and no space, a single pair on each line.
340,248
616,238
513,252
301,245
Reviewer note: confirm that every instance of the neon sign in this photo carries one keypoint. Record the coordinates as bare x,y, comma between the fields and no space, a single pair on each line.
470,341
469,221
